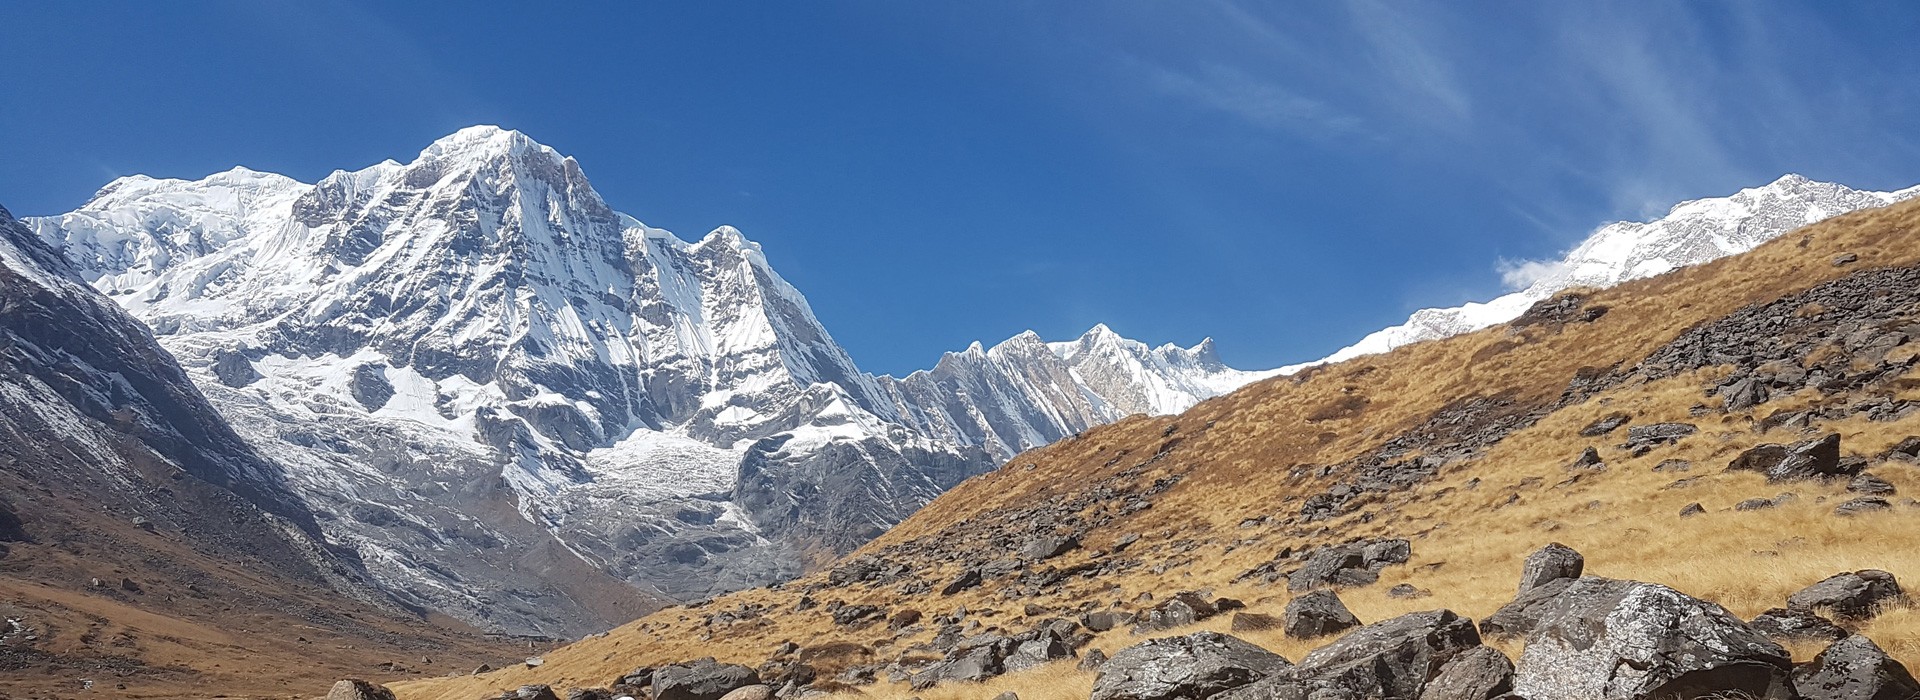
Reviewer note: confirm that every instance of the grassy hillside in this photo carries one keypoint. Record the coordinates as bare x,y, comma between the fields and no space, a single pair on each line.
1462,446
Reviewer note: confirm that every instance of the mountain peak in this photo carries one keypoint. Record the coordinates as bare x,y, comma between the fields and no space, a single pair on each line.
487,143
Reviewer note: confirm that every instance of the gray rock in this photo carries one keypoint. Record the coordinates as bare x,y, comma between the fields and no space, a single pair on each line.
1863,504
1103,620
1479,673
1692,509
1605,424
234,369
1813,459
1199,665
1317,614
1604,639
1589,459
701,680
1845,259
1035,652
1908,449
967,579
1854,668
1009,695
534,691
1552,562
604,694
1849,597
1756,504
1519,616
1759,458
1182,609
1659,433
356,689
1392,658
1049,547
1407,590
1796,626
1744,394
370,387
1871,485
1093,660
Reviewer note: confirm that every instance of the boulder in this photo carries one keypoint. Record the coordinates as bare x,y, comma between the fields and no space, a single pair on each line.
705,679
1908,449
534,691
1038,651
967,579
1588,459
1746,393
1009,695
1093,660
356,689
1199,665
1854,668
1182,609
965,665
1103,620
602,694
1479,673
1518,617
1049,547
1796,626
1871,485
1854,596
1391,659
1552,562
1317,614
903,619
1605,639
1812,459
1759,458
1692,509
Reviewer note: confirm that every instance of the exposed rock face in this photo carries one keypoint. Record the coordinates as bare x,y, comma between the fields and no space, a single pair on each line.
356,689
539,383
1854,668
1392,658
701,680
1603,639
1198,665
1796,626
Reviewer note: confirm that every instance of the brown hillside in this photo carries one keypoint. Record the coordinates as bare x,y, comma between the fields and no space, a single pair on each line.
1462,446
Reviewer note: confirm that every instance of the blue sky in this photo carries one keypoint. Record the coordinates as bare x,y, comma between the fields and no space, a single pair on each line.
1282,176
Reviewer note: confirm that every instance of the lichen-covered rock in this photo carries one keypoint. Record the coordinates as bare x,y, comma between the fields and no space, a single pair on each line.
705,679
1554,561
1318,614
1605,639
1392,658
1854,668
1198,665
1796,626
1480,673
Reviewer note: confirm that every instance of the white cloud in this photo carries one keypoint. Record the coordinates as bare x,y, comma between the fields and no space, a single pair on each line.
1521,274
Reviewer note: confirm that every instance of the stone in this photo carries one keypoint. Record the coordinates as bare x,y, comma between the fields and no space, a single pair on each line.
1854,596
903,619
1744,394
1673,465
1552,562
1035,652
1607,639
356,689
967,579
1181,609
534,691
1813,459
1479,673
750,692
1854,668
1103,620
1254,622
1393,658
1049,547
1845,259
598,694
1871,485
1605,424
1908,449
705,679
1199,665
1864,504
967,665
1796,626
1692,509
1093,660
1009,695
1588,459
1318,614
1755,504
1759,458
1407,590
1659,433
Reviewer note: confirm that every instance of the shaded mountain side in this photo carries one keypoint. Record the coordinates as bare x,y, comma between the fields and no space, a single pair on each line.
1607,420
142,542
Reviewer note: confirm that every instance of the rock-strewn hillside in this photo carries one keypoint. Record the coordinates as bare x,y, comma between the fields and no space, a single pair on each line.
144,546
1726,456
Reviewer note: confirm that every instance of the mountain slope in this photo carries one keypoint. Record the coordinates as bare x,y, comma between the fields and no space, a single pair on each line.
1616,421
1693,232
142,541
520,402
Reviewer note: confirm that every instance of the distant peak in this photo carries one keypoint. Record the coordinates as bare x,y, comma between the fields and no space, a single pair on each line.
1099,331
485,142
730,237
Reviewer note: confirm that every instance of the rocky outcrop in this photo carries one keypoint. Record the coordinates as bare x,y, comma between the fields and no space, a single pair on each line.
1854,596
704,679
1854,668
1479,673
1550,563
1199,665
1318,614
1605,639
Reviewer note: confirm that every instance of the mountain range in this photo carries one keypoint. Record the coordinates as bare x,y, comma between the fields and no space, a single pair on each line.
505,396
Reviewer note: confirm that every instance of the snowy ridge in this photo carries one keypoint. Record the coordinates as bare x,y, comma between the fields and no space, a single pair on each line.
475,343
1693,232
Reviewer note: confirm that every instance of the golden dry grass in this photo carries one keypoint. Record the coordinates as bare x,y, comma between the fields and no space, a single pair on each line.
1470,526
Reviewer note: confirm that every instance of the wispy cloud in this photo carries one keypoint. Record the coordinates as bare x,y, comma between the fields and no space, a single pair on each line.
1262,103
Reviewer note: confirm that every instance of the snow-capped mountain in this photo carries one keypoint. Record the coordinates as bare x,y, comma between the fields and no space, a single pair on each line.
519,405
1693,232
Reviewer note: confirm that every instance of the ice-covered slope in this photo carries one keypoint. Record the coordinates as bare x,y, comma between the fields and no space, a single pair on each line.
1693,232
496,382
